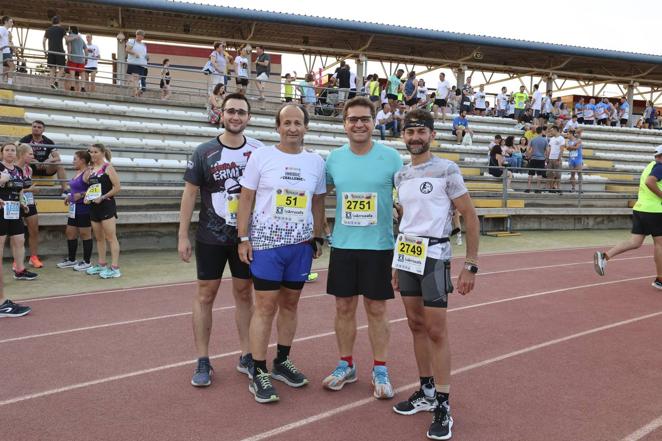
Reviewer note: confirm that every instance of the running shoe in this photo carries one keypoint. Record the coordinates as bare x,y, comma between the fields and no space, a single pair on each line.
203,374
35,262
245,365
260,386
11,309
288,374
110,273
657,283
599,263
442,422
66,263
95,270
417,402
340,376
24,275
382,383
312,277
82,266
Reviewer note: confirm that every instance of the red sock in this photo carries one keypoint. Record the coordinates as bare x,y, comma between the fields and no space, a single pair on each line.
349,360
379,363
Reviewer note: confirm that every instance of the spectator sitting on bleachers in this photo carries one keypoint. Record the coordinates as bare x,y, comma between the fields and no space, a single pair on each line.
512,153
498,140
399,114
523,147
461,126
214,104
47,158
385,121
497,165
529,131
329,100
572,124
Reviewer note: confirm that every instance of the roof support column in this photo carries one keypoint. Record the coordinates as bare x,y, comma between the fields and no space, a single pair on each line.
550,84
120,68
630,98
459,76
361,64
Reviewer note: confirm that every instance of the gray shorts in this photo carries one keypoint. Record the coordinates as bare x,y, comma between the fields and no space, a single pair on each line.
433,285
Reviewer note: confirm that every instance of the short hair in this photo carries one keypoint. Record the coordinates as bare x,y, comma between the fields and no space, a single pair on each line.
400,70
421,115
287,75
74,29
38,121
359,101
306,115
259,46
555,128
539,130
55,20
535,86
217,44
5,19
236,96
140,32
497,137
166,60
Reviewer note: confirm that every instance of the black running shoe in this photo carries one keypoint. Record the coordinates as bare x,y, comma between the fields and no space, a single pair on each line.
288,374
25,275
245,365
11,309
442,422
417,402
261,387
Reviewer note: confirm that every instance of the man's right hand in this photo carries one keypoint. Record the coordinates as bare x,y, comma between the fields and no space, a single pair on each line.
245,252
184,249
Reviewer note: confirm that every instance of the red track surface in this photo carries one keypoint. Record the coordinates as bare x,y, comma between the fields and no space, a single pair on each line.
543,350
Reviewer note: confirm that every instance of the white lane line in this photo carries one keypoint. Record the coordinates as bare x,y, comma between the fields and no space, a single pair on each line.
319,270
643,431
326,334
148,319
557,265
122,323
320,416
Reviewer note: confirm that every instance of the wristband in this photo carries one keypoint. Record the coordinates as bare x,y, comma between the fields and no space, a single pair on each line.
471,261
244,239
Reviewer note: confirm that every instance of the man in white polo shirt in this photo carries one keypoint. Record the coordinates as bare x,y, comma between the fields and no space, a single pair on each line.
556,145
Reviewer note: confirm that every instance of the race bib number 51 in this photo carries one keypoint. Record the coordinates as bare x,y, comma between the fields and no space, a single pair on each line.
359,209
410,254
93,192
290,205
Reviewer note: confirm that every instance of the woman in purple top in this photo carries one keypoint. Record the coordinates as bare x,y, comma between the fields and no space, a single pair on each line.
78,219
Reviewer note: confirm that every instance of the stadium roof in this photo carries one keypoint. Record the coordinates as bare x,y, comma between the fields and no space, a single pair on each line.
201,23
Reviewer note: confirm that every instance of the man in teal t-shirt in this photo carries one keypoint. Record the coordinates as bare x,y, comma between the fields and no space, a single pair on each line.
362,242
393,87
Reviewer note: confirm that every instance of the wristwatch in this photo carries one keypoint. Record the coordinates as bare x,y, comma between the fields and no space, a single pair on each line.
471,267
244,239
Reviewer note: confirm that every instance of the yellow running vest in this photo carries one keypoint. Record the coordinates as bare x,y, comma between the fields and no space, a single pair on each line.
647,201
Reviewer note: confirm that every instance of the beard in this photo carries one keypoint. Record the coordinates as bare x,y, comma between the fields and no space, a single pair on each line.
235,131
418,149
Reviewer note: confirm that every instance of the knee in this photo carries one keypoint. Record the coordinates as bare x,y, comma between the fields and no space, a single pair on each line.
416,325
437,332
205,295
266,309
375,309
243,295
345,309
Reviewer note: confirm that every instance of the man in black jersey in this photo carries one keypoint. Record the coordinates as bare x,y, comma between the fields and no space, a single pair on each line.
215,170
47,158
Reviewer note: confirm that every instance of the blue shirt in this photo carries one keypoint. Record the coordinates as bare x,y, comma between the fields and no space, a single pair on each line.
657,171
459,121
604,106
374,173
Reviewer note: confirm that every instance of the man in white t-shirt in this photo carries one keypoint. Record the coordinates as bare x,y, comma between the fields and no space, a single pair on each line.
242,69
502,103
441,98
288,185
385,121
7,65
91,65
479,101
136,60
537,105
555,155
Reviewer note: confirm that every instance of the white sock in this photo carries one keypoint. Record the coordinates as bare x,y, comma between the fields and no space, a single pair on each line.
429,391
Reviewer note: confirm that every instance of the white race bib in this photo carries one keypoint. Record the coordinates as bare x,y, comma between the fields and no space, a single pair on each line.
72,210
94,192
410,253
28,198
290,205
359,209
12,210
231,208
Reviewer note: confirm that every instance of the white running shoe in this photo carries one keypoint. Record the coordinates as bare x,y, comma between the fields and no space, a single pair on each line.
599,263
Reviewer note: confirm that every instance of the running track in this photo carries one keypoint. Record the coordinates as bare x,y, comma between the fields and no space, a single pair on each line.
543,349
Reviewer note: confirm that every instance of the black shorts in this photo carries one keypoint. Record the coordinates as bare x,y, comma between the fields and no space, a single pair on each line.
82,220
580,120
242,81
90,69
624,122
360,272
136,69
56,59
32,211
211,259
41,171
412,102
539,166
392,96
12,227
440,103
646,223
434,285
103,211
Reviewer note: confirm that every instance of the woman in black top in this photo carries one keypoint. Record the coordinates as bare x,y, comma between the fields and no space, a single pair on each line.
496,165
11,224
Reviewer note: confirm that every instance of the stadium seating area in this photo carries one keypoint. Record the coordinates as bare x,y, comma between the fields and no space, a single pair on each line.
151,144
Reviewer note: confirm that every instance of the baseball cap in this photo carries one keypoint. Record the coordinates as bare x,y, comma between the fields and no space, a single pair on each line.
658,150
